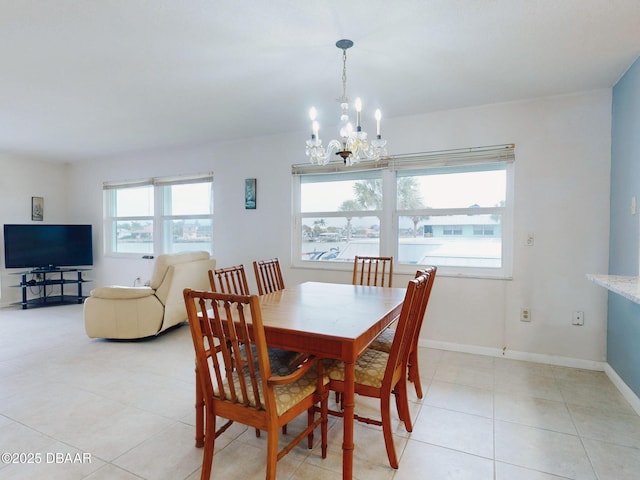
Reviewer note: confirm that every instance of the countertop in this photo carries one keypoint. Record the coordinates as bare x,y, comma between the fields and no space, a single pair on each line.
628,287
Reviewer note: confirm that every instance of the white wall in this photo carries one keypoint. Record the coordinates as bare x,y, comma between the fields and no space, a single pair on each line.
20,179
562,196
563,147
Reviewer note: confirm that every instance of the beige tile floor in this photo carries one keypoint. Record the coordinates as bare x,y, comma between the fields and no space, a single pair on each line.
91,409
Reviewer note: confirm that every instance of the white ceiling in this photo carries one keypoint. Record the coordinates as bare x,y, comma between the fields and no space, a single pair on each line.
86,79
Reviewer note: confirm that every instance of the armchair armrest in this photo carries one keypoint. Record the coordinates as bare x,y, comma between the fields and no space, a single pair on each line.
122,293
294,376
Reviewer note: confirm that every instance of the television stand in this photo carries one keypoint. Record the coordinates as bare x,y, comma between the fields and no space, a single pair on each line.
36,281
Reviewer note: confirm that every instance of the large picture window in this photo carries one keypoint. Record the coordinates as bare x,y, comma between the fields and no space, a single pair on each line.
450,209
158,215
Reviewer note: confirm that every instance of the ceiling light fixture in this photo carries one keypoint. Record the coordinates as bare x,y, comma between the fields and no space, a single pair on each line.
353,145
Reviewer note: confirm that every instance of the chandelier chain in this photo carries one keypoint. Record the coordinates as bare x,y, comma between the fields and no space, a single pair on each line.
344,98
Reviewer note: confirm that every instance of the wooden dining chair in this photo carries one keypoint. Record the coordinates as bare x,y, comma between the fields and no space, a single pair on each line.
373,271
383,375
237,382
385,339
234,280
268,275
229,280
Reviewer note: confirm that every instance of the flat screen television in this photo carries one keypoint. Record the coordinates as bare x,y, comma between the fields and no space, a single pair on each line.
47,247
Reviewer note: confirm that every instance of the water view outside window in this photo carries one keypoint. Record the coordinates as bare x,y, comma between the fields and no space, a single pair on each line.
455,219
183,211
187,217
447,217
133,225
340,219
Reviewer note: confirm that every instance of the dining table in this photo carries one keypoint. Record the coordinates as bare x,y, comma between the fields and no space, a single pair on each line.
329,320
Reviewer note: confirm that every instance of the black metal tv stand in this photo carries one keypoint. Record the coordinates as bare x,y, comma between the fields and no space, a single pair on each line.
36,281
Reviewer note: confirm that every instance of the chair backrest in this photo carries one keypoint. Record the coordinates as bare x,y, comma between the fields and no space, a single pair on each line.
374,271
268,275
164,262
233,366
412,306
431,271
229,280
172,274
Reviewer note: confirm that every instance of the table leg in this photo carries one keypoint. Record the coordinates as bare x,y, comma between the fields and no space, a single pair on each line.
348,419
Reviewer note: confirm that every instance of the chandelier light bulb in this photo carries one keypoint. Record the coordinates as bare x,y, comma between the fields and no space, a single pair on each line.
378,116
346,131
314,124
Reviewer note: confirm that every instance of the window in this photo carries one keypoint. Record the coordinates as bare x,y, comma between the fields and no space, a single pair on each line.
159,216
340,216
451,209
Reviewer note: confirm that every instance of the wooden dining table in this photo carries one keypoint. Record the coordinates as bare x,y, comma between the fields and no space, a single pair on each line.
329,320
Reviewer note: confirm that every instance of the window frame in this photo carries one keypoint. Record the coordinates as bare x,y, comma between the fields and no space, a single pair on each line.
480,159
161,202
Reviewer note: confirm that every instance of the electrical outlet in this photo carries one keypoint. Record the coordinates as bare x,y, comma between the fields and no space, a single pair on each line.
529,240
525,314
578,318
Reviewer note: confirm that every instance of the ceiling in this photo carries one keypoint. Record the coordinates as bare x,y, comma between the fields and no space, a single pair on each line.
88,79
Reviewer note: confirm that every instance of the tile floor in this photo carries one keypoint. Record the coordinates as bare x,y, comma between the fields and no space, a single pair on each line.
93,409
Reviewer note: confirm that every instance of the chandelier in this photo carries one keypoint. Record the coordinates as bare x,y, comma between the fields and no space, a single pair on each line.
353,145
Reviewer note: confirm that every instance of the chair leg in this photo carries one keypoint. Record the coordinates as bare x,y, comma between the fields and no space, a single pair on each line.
386,430
324,411
209,444
402,405
272,453
414,372
200,413
310,418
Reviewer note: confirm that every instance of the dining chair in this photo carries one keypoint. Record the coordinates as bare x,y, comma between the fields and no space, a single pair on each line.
229,280
234,280
385,339
381,374
237,382
268,275
373,271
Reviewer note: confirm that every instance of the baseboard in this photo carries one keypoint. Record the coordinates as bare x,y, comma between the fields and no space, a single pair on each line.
626,392
515,355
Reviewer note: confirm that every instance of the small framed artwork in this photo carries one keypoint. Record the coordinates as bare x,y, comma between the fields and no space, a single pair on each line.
250,193
37,208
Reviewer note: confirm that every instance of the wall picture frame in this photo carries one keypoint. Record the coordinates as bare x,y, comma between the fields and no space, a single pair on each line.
250,201
37,209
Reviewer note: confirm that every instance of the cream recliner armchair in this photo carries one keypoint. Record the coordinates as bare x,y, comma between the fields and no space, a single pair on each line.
138,312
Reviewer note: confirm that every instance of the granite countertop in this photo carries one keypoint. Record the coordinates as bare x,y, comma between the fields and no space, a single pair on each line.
628,287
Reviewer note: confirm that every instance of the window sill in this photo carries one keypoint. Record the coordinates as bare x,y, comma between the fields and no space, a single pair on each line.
402,270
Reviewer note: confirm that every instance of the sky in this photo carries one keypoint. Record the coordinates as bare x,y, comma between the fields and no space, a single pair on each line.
460,190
